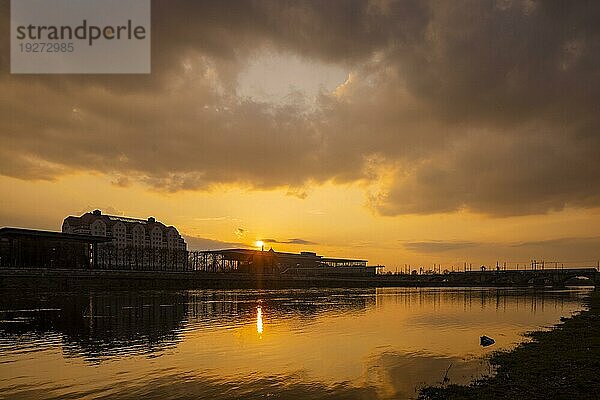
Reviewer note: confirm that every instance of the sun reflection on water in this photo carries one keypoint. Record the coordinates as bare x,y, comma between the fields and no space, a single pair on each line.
259,320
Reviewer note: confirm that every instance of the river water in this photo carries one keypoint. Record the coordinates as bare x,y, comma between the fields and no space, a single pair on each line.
280,344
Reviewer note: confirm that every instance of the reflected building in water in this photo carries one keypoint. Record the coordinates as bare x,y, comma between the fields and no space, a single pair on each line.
480,298
107,324
98,325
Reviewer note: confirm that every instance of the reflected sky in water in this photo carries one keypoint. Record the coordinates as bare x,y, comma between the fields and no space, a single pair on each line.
303,343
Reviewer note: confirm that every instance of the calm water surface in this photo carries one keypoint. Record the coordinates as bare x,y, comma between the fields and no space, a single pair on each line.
306,343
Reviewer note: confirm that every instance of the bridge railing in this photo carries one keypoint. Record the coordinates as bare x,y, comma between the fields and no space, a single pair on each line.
533,265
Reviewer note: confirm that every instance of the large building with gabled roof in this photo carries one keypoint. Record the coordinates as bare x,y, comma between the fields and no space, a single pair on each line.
125,231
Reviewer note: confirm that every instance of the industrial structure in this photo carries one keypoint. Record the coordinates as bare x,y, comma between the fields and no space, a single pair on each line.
274,262
30,248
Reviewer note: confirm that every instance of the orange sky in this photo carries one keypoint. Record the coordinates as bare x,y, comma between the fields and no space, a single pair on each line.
333,220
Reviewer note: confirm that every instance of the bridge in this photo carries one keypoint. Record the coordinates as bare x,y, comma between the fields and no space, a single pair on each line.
535,277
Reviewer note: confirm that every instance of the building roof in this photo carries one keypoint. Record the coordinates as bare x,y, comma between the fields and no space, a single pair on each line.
303,255
110,220
7,232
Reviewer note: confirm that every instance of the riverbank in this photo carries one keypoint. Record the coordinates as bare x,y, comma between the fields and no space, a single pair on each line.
562,363
65,279
68,279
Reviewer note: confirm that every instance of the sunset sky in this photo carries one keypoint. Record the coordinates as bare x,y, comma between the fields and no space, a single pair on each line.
398,132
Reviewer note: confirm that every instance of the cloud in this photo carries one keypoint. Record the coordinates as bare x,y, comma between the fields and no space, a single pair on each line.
437,246
240,232
208,219
480,105
121,181
290,241
200,243
297,192
593,241
574,250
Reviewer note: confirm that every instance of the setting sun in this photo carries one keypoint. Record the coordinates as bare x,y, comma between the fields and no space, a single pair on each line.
259,244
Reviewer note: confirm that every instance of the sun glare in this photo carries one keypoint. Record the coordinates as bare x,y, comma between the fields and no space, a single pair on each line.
259,244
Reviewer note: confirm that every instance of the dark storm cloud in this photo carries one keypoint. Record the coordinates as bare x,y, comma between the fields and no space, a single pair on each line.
490,106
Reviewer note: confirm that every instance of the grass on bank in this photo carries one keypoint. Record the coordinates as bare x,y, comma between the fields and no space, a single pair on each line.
562,363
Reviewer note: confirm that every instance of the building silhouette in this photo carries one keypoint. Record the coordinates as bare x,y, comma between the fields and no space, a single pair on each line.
126,232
